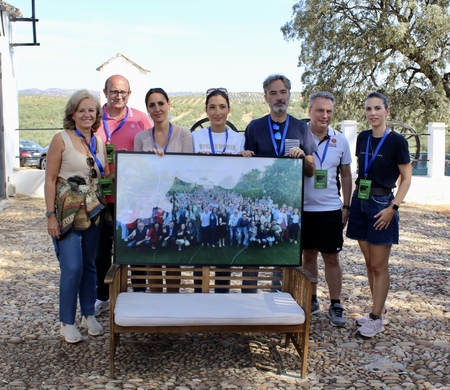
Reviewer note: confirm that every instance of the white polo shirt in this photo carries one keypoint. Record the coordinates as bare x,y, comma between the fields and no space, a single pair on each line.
338,153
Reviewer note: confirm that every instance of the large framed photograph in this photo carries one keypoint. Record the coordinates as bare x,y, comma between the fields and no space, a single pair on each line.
192,209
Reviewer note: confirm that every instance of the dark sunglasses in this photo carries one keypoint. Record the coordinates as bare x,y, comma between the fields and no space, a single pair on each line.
211,90
90,162
276,129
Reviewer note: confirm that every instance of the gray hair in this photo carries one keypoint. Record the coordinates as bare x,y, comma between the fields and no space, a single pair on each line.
321,94
274,77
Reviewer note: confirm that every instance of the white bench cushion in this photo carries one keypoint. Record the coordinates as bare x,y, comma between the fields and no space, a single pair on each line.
179,309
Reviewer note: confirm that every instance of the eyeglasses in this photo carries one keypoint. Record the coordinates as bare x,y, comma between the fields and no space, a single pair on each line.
277,133
90,162
115,93
211,90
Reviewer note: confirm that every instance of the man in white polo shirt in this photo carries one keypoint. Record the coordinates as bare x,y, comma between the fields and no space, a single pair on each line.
324,215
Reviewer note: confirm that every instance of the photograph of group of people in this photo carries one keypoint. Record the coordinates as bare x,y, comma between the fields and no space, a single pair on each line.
208,217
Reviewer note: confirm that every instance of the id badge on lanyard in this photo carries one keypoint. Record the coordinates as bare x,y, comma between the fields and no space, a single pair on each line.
321,175
321,178
365,185
110,149
106,186
364,188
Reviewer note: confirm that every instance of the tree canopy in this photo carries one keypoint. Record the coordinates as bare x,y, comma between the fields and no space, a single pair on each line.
399,48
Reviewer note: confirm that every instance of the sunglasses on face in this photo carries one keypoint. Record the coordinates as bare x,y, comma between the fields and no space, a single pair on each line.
211,90
276,129
90,162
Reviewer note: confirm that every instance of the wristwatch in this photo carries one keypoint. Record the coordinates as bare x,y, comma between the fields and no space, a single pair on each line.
345,207
395,206
48,213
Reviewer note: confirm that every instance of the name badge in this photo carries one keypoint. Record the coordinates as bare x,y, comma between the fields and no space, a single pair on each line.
321,178
106,186
110,149
364,189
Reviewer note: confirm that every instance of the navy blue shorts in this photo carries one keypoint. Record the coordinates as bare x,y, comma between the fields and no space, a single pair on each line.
362,218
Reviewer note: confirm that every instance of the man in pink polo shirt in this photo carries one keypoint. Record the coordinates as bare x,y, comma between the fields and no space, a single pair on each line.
120,124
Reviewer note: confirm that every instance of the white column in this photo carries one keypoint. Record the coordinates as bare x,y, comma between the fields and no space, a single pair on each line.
436,150
350,128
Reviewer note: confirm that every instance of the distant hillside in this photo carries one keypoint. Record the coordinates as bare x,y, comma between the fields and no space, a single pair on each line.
44,109
234,96
53,92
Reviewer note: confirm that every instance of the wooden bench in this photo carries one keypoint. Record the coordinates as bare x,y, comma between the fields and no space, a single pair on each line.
287,312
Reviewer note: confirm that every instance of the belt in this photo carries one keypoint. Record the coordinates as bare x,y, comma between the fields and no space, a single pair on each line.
380,191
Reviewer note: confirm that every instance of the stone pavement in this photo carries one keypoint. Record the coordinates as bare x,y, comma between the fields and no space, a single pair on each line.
412,353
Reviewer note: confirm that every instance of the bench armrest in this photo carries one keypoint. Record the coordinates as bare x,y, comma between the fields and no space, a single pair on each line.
301,284
312,279
111,273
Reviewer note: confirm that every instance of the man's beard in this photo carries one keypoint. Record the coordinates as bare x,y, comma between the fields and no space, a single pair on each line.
280,109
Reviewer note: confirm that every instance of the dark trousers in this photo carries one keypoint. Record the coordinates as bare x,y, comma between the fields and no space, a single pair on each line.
206,234
103,259
223,282
249,282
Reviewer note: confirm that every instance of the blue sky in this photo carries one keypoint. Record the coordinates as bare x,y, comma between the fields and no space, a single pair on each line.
188,45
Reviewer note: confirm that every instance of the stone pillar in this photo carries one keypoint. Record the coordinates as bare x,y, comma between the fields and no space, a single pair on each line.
350,129
436,150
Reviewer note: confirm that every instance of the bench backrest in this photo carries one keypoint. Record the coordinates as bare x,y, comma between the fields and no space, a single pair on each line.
202,278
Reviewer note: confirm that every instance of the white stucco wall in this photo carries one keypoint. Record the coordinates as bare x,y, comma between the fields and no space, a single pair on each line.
10,106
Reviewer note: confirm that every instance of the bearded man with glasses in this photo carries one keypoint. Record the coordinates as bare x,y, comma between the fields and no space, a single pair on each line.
119,126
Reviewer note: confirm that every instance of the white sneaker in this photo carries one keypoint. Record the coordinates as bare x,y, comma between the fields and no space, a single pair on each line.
371,327
360,321
100,307
92,325
71,333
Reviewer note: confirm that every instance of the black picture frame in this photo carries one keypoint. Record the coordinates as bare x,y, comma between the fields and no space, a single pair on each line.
147,183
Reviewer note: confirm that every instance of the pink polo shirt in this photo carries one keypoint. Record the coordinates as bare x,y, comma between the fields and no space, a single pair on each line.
123,139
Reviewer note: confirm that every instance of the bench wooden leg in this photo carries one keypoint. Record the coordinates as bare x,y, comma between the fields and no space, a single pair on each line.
113,343
301,345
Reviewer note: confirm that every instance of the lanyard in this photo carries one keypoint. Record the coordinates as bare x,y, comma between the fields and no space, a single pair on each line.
211,142
168,138
283,138
368,164
325,151
105,123
92,149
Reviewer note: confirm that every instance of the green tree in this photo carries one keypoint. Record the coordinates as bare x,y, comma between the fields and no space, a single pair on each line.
251,180
400,48
282,181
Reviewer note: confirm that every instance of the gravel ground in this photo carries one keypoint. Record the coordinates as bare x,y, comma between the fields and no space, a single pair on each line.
412,353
